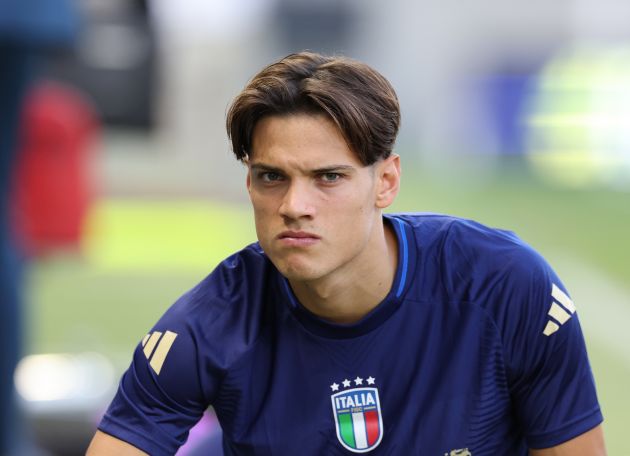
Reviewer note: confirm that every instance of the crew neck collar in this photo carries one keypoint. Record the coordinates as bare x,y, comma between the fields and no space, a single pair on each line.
391,302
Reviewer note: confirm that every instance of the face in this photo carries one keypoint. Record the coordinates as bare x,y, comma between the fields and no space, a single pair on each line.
317,207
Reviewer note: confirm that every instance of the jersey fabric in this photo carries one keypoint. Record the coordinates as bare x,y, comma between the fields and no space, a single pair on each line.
476,350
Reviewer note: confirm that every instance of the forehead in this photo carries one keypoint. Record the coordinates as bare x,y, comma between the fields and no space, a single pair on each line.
301,140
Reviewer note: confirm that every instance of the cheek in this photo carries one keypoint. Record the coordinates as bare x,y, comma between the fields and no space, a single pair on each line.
357,203
360,212
262,220
351,219
263,205
361,194
261,214
266,218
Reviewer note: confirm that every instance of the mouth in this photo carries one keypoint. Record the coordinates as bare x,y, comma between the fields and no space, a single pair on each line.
297,238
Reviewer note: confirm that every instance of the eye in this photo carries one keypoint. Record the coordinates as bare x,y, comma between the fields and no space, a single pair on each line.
269,176
330,177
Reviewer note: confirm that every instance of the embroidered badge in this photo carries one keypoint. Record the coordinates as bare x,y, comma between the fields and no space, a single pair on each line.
357,414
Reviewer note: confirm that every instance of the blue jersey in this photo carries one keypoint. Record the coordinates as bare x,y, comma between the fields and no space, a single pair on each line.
477,350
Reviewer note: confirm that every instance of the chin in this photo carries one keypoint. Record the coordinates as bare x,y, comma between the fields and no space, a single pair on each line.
298,271
298,274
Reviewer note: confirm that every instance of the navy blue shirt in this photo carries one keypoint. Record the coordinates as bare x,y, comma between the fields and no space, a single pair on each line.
477,347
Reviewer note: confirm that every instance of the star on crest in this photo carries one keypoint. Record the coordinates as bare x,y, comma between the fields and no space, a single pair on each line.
358,381
370,380
334,387
346,383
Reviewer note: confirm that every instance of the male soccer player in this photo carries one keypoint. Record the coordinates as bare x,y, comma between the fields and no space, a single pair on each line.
344,330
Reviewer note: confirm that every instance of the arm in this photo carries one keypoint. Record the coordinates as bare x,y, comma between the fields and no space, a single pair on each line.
105,445
160,396
591,443
552,385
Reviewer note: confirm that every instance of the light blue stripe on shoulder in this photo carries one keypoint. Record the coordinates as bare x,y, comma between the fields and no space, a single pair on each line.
405,256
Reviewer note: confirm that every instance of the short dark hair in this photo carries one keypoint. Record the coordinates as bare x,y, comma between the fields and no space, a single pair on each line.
358,99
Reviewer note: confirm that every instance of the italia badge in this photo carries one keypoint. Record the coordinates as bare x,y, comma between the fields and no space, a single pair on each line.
357,414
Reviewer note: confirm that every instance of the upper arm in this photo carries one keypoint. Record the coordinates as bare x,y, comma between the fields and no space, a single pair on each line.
105,445
548,373
160,396
551,382
544,357
591,443
178,368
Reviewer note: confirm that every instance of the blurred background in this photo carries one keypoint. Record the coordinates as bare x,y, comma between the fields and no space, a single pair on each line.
125,194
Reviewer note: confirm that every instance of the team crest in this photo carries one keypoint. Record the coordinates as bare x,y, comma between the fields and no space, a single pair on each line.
358,417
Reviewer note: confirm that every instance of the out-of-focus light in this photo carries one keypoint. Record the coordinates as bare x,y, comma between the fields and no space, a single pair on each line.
75,380
63,396
579,121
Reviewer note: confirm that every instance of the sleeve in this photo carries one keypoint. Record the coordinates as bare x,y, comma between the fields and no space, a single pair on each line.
160,396
550,379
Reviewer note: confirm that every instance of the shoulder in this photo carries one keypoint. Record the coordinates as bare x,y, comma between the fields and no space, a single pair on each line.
519,297
227,301
447,232
467,263
213,324
490,257
227,286
471,259
501,275
178,368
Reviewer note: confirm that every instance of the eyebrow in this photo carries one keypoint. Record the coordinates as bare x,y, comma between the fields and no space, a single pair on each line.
323,170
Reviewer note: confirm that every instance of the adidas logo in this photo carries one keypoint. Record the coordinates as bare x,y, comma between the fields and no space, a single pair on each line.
562,308
156,346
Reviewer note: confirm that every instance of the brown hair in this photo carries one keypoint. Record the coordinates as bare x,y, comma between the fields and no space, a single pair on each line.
358,99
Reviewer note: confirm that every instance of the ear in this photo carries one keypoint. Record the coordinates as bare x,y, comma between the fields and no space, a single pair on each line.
248,179
388,181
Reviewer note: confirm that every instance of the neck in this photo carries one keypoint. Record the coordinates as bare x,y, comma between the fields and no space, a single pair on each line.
351,292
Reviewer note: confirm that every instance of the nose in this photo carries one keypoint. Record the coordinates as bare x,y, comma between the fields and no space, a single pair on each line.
297,201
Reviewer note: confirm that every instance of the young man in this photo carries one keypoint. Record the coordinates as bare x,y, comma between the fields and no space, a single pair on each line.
344,330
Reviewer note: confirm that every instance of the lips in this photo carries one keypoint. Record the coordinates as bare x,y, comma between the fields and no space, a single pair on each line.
298,238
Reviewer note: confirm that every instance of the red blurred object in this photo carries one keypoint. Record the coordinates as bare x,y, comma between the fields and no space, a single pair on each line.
53,186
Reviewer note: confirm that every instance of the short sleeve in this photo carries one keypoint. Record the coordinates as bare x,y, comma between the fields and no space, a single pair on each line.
178,367
550,379
160,396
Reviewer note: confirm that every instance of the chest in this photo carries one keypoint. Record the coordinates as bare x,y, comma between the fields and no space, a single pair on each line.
427,381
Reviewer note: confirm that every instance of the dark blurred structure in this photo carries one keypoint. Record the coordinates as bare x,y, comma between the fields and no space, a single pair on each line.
27,27
114,62
14,71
